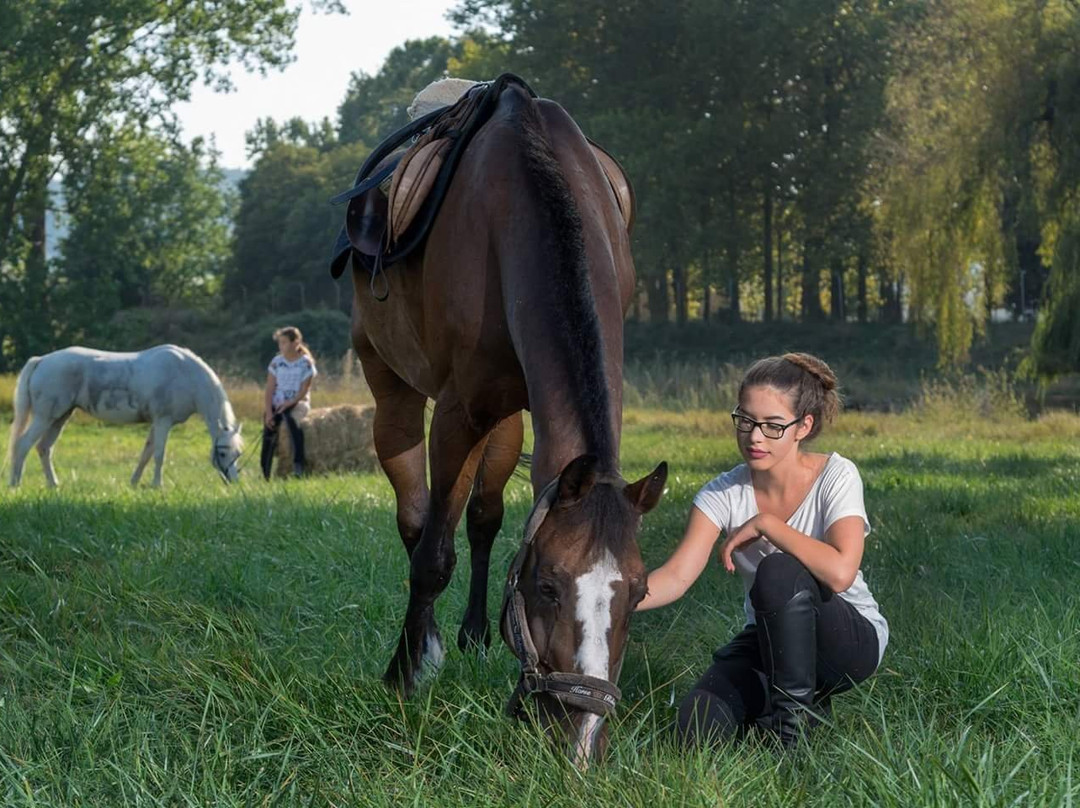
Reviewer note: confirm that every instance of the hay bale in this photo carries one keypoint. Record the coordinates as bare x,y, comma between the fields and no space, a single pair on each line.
335,439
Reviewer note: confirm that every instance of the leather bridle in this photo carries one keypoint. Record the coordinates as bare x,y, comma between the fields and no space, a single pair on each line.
581,692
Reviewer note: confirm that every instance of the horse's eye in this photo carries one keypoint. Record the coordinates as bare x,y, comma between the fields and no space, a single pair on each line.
549,591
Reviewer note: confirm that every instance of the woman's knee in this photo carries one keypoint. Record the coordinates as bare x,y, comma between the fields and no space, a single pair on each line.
778,578
705,718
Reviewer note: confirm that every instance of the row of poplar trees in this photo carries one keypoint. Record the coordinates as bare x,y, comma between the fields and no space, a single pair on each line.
808,160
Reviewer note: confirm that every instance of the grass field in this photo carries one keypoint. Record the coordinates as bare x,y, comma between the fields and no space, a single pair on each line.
212,645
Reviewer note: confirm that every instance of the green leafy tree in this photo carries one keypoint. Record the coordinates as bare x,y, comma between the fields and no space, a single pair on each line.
978,179
69,68
149,227
285,228
375,106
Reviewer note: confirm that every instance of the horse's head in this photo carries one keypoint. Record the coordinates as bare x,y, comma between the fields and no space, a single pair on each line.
227,448
572,591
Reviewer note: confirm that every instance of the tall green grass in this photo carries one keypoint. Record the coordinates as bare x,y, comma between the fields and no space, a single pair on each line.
212,645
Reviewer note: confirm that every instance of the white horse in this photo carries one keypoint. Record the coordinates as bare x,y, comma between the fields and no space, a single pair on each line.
162,386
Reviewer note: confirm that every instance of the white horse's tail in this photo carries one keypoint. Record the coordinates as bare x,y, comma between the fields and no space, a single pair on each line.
22,405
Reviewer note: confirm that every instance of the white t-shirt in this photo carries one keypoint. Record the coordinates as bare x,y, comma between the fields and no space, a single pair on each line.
728,501
290,376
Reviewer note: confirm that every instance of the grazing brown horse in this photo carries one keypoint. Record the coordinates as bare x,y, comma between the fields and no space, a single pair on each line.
515,302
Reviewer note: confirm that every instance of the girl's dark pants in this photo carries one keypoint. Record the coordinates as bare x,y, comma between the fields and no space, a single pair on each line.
806,640
270,439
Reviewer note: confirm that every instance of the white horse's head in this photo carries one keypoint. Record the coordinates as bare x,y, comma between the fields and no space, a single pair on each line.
227,448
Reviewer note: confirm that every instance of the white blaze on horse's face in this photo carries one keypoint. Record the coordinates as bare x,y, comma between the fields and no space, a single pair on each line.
595,591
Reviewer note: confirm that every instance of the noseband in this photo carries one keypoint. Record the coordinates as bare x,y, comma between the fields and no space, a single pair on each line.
589,693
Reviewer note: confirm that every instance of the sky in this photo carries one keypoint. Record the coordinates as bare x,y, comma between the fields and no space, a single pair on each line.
329,48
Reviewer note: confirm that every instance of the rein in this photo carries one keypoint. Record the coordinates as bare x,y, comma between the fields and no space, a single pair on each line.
589,693
243,459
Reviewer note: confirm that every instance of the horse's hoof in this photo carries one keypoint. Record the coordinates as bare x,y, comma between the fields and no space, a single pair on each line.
406,669
470,638
399,677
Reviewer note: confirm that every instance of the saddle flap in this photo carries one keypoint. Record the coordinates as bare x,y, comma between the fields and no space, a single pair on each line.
365,221
620,185
413,181
367,215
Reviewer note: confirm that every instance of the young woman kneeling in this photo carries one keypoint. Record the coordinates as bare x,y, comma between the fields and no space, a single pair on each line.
794,524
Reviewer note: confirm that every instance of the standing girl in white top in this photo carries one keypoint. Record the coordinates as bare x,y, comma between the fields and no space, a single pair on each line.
794,525
288,396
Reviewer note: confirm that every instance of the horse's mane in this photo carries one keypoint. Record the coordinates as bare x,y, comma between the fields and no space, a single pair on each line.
217,389
577,326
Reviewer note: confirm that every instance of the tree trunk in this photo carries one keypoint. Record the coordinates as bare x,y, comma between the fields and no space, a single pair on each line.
733,254
779,272
706,291
679,277
658,297
836,295
733,289
892,308
766,249
33,312
811,290
861,305
8,205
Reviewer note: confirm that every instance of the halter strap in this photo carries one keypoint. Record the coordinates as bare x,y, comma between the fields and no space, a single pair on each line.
589,693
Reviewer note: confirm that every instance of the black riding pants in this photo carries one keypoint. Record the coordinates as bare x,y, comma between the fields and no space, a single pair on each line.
270,438
734,691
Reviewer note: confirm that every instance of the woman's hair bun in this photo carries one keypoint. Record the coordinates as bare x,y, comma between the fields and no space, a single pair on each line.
815,367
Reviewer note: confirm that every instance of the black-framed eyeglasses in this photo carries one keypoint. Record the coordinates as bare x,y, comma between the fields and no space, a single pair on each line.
769,429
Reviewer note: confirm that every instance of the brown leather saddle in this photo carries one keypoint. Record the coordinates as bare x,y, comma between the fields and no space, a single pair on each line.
402,184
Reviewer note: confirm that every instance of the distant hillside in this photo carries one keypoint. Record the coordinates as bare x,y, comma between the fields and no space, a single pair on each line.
233,177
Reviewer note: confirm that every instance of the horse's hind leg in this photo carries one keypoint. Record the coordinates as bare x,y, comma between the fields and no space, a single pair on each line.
398,433
45,447
38,427
456,445
144,458
484,516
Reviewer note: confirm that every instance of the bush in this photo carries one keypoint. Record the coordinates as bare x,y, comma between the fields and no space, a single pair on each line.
251,347
986,394
231,347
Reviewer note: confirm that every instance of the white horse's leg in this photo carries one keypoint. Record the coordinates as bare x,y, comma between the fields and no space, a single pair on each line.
38,427
45,447
160,433
147,453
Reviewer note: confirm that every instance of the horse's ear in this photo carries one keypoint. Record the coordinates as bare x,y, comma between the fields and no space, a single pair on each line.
577,479
644,495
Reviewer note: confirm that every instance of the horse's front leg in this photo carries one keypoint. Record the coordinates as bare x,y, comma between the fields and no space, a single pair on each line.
160,434
484,517
456,446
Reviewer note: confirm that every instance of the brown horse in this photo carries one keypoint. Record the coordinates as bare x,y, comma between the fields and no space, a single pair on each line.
515,302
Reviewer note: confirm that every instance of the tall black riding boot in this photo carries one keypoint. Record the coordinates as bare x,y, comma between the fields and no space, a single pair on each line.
788,641
269,446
